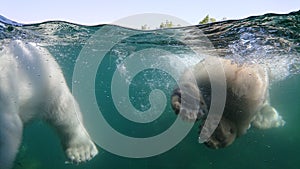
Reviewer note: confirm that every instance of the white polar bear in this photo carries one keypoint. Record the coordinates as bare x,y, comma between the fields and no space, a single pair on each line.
32,86
247,101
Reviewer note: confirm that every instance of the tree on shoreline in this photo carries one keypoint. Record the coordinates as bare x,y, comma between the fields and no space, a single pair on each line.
169,24
166,24
145,27
207,19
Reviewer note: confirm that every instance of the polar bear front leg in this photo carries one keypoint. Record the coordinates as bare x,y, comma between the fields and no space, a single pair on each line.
188,103
11,128
65,117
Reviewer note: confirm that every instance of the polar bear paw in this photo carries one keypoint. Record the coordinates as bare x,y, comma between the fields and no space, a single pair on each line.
268,117
81,150
188,103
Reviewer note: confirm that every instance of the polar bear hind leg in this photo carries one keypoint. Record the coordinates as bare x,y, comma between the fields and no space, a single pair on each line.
32,86
11,129
267,117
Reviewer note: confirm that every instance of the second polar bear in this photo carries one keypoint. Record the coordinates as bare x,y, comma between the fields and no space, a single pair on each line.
32,86
247,101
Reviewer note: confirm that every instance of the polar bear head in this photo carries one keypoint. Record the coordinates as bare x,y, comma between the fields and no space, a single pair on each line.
223,136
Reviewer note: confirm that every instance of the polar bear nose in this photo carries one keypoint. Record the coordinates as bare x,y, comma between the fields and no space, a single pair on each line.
211,144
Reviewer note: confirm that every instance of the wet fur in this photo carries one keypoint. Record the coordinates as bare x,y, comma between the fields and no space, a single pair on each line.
32,86
247,100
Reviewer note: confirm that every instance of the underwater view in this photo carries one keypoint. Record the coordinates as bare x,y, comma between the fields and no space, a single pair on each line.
123,80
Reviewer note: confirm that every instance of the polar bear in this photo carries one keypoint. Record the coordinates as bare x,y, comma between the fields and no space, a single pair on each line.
247,101
32,86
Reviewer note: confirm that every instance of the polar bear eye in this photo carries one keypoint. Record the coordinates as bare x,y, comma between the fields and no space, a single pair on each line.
231,131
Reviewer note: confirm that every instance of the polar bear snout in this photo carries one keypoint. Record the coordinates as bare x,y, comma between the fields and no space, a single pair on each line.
223,136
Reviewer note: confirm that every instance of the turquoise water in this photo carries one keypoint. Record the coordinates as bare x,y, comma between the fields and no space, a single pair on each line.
272,40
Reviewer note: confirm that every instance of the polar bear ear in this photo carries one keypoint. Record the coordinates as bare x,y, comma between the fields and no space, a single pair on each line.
267,117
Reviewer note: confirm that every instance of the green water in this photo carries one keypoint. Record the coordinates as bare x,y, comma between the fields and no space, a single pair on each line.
269,39
273,148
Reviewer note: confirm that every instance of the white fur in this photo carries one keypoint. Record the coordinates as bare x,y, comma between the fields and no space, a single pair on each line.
248,83
32,86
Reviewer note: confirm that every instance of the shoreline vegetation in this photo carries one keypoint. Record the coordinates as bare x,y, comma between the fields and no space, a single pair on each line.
170,24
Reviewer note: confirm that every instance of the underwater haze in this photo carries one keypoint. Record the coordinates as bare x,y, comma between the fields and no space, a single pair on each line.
272,40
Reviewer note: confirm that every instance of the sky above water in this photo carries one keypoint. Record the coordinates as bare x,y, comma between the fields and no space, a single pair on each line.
93,12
